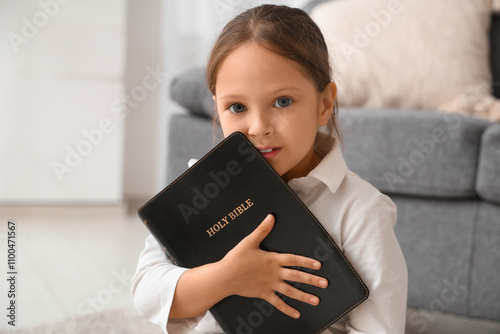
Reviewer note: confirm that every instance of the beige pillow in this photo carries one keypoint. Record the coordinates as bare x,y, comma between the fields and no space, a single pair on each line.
425,54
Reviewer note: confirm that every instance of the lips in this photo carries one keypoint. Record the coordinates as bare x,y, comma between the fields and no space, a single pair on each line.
269,152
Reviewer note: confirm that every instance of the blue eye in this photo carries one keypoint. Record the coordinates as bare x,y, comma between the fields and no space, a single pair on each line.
237,108
282,102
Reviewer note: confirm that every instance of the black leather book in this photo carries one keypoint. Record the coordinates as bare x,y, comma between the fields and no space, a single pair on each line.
221,199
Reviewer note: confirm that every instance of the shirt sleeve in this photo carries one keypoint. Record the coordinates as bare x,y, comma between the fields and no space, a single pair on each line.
371,246
153,287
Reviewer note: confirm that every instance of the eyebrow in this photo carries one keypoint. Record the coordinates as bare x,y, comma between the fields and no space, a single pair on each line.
277,91
284,89
232,97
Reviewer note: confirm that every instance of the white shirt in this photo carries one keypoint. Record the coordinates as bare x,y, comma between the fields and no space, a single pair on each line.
361,221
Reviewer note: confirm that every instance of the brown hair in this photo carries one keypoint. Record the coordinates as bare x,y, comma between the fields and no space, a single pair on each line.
286,31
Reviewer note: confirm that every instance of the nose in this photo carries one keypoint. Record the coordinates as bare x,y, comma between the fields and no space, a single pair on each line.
260,124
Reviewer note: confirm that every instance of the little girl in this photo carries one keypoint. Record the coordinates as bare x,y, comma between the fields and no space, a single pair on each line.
270,77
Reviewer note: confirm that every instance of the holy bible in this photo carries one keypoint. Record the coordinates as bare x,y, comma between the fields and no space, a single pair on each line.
221,199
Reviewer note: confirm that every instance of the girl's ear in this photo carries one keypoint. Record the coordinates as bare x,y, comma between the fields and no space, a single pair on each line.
327,102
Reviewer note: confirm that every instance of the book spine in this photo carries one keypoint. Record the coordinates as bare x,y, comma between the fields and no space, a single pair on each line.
164,247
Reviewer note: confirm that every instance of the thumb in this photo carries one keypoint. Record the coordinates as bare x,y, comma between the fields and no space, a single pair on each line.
262,231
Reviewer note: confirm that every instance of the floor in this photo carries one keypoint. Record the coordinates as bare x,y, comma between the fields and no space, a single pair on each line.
69,261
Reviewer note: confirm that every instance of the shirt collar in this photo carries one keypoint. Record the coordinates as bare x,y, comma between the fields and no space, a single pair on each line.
330,171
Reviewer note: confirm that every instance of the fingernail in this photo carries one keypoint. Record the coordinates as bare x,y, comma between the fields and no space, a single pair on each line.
269,218
323,283
296,315
315,300
317,265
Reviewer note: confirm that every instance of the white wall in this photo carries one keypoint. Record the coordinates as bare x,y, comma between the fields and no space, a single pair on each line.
169,36
146,82
61,69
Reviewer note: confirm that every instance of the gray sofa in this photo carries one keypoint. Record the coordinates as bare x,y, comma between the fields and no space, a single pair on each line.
443,173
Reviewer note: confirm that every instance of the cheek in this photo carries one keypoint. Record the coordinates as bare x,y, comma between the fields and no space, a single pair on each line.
305,121
228,126
306,130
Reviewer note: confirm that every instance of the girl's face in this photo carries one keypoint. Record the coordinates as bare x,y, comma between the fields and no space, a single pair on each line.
272,101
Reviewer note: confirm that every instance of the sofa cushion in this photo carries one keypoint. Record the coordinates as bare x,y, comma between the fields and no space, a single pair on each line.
190,90
452,253
485,264
411,54
422,321
436,240
420,153
189,137
488,174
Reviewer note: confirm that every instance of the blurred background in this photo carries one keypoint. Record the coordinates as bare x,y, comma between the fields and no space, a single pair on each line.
84,111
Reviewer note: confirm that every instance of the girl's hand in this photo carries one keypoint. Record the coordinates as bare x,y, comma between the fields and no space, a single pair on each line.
252,272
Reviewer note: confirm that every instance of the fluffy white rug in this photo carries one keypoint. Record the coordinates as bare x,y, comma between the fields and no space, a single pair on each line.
117,321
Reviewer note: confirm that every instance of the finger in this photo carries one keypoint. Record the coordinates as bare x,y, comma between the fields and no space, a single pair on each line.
262,231
298,276
291,260
292,292
283,307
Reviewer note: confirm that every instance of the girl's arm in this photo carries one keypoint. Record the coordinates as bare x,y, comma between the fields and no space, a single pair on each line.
247,271
372,248
153,287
